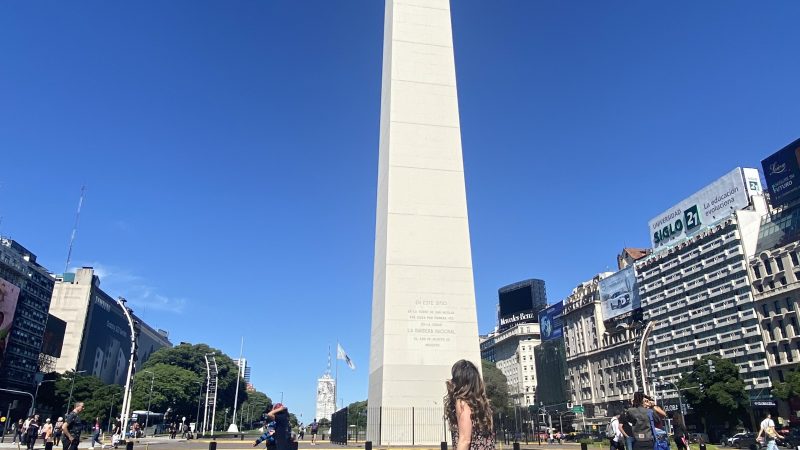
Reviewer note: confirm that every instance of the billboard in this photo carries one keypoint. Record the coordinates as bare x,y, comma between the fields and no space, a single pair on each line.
550,322
782,172
106,344
54,336
619,293
709,205
9,294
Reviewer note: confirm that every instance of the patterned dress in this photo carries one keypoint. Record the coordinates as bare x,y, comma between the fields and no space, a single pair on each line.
478,441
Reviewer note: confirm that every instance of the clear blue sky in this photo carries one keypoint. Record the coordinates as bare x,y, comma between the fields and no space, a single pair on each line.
230,150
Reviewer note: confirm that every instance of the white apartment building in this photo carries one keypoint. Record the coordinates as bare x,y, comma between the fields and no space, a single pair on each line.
698,293
512,352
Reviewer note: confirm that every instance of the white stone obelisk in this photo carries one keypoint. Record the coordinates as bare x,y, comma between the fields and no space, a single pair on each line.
423,308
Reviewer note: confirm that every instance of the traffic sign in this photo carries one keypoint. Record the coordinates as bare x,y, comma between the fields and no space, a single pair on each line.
577,409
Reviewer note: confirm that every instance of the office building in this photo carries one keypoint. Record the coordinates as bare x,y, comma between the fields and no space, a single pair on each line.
520,302
244,369
695,287
97,336
512,351
326,400
599,353
25,292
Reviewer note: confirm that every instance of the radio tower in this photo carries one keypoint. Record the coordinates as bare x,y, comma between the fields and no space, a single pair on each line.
74,229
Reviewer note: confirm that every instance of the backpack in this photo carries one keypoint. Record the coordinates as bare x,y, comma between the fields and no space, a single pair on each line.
660,438
611,430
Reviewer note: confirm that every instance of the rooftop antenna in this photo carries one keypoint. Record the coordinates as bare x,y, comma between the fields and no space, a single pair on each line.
328,370
74,229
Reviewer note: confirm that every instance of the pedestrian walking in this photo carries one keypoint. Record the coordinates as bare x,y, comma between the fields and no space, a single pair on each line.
96,430
679,432
71,428
614,435
18,431
47,432
302,432
467,409
314,430
32,431
768,432
57,430
639,416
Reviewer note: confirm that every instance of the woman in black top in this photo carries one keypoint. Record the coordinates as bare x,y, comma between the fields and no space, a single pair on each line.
679,432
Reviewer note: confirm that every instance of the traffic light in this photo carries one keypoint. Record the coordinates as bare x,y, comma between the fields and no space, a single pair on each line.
711,367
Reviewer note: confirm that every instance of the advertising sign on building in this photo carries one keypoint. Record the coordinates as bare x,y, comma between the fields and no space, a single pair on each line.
550,322
782,172
707,206
9,294
619,293
107,341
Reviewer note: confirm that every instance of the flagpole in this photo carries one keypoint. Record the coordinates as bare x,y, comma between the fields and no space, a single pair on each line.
336,380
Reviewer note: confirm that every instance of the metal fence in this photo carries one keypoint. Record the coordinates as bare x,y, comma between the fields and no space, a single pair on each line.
407,425
339,427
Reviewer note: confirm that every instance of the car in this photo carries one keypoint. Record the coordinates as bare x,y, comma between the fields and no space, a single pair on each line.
729,442
622,298
746,441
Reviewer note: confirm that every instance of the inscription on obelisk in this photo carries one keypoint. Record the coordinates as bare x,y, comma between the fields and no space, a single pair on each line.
423,307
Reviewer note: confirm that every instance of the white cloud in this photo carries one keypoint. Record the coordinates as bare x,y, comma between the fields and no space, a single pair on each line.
142,296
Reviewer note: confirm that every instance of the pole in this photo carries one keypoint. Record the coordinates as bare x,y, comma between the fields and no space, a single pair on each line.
111,412
126,400
8,423
208,388
149,399
236,397
199,398
214,412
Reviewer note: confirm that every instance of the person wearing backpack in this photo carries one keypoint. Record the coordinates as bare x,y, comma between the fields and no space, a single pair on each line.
643,422
613,434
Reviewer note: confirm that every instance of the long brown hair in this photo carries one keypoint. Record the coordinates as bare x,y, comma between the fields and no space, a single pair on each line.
467,385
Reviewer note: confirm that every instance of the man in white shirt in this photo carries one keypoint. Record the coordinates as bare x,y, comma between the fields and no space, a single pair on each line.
616,443
769,433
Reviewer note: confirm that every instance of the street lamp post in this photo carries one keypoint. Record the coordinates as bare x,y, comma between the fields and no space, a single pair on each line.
111,412
126,396
149,399
69,402
199,399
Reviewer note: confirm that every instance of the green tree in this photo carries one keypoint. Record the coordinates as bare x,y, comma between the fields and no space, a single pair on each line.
97,397
173,387
716,391
357,413
256,405
191,358
789,388
496,386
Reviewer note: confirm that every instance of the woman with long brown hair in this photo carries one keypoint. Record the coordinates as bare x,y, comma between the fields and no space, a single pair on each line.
467,409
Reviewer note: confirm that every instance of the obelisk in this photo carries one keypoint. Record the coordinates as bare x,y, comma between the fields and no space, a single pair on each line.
423,306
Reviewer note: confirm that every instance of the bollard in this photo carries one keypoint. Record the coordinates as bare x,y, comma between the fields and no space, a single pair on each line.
516,445
584,446
129,445
368,445
702,446
241,437
443,445
48,446
752,446
212,445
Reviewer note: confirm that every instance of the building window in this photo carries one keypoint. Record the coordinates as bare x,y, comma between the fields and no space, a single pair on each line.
789,303
776,354
770,331
756,271
777,307
795,262
768,267
779,261
765,309
789,357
